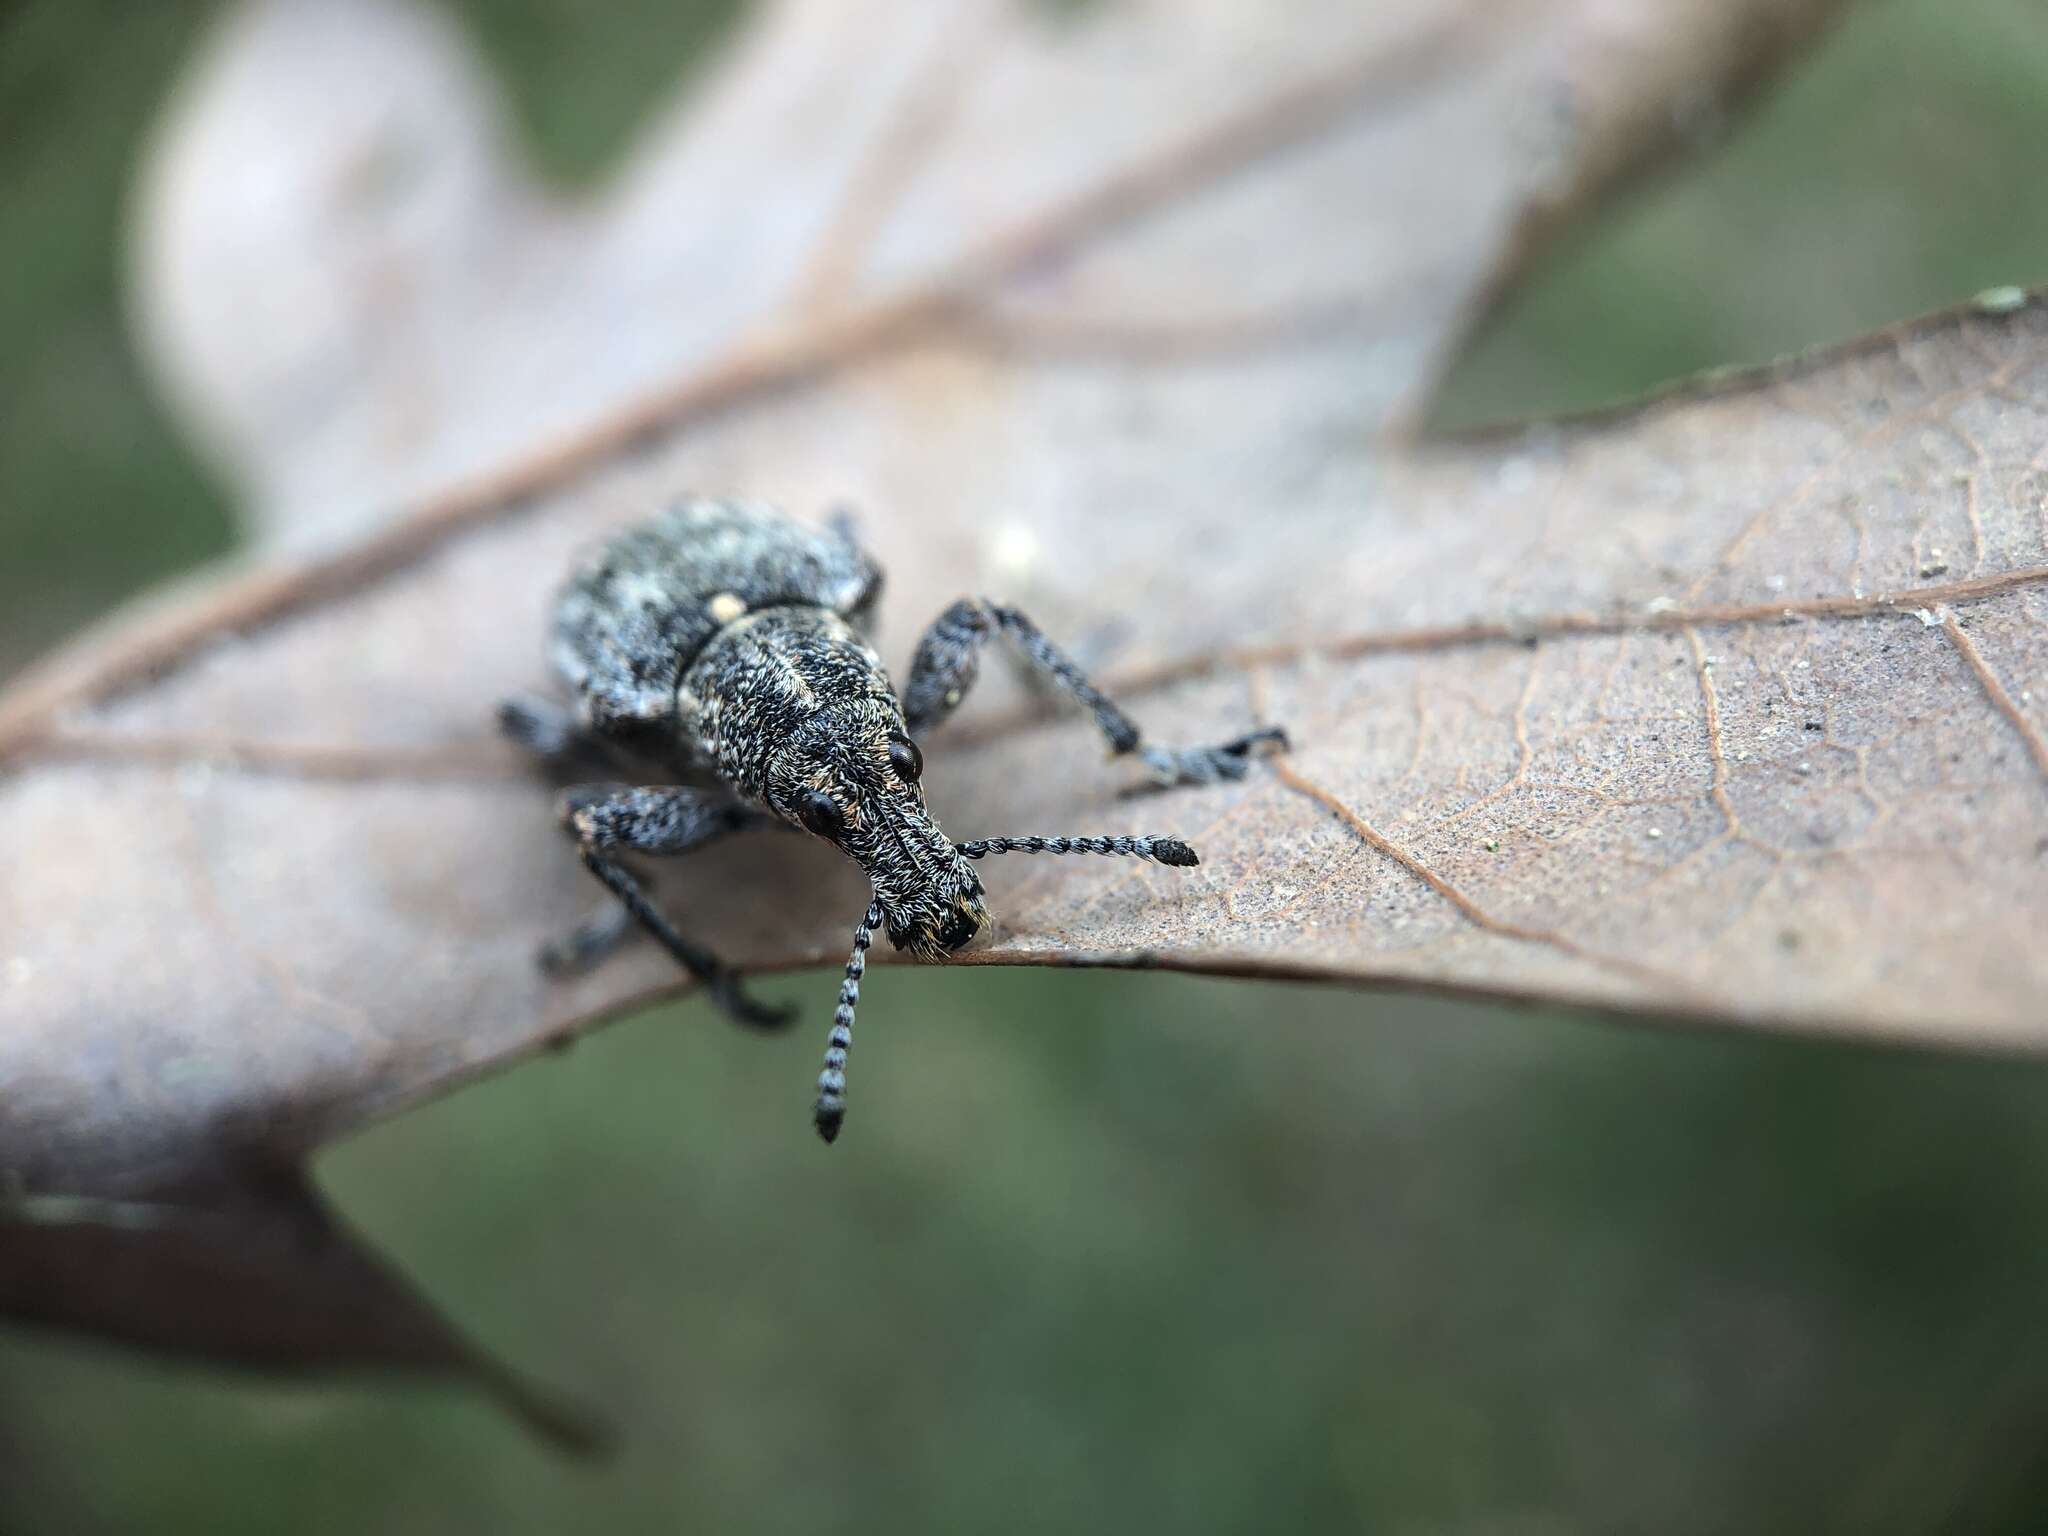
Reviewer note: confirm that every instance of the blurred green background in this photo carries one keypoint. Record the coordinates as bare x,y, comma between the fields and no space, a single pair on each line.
1117,1252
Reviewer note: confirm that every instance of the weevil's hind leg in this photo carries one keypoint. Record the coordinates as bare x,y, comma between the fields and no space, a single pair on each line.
856,605
566,748
544,728
949,659
662,820
590,944
843,523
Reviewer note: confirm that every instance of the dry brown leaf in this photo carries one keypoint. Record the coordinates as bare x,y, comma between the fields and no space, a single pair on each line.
1718,708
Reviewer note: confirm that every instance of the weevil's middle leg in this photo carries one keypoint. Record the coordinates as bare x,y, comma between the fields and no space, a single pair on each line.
949,660
661,820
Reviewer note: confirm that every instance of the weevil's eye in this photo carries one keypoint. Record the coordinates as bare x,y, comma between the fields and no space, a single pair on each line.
820,814
906,759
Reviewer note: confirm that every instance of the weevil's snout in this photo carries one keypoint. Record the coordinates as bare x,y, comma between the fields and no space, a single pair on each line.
960,929
938,919
852,777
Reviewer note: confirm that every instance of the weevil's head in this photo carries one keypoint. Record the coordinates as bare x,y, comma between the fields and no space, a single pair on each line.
850,775
794,711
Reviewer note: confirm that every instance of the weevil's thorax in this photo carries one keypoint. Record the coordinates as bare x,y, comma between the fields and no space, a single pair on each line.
791,703
766,676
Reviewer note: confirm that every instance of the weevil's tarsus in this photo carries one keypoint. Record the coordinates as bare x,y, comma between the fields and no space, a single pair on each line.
948,661
829,1112
1170,766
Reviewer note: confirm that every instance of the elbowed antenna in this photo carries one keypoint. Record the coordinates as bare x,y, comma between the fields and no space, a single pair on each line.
1161,850
829,1113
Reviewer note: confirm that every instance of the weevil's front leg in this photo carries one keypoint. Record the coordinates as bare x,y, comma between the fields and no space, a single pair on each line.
661,819
949,659
656,820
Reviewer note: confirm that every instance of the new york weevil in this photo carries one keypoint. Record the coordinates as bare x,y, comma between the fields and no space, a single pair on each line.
723,645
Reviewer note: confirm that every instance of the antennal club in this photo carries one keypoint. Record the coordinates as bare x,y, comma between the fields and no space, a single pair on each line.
829,1113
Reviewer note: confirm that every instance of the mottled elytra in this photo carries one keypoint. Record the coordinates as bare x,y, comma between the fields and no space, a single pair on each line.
723,645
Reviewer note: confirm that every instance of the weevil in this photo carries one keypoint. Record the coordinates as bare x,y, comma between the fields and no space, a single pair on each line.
724,647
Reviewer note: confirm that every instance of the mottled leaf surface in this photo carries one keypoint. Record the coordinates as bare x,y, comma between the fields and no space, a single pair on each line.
1724,707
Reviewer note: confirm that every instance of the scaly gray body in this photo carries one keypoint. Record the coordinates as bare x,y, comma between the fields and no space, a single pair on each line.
641,609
